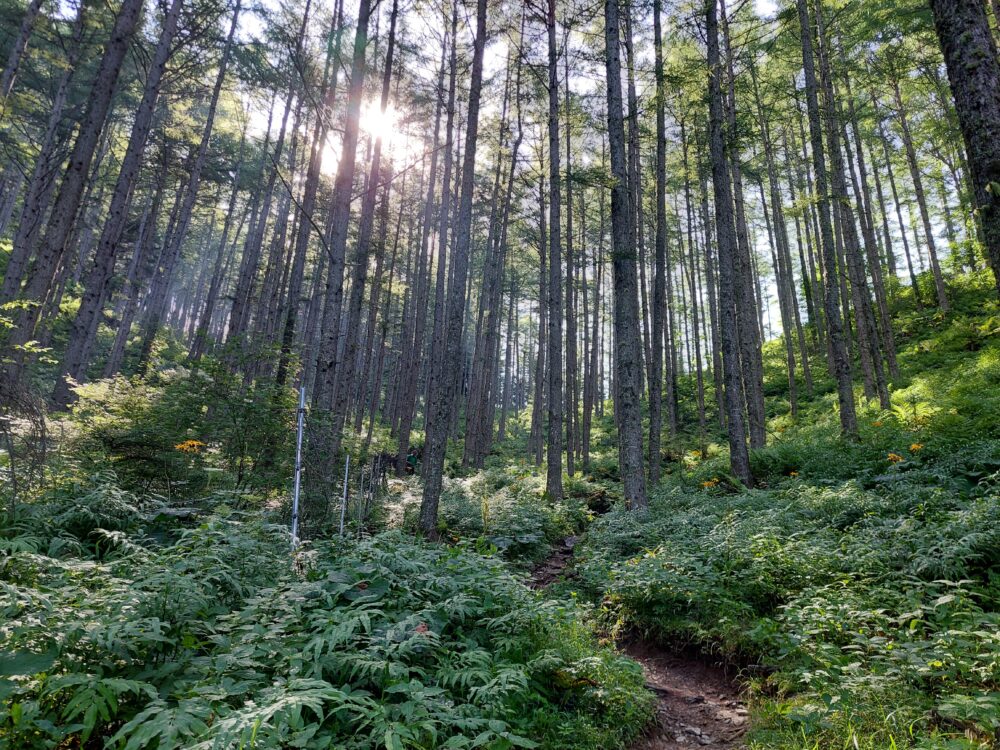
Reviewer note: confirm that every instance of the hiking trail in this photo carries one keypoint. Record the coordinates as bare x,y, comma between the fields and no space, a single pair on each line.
697,703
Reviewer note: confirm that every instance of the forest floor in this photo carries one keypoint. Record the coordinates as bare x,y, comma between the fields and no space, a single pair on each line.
698,704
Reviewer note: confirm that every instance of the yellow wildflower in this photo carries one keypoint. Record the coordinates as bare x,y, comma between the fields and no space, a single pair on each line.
710,483
895,458
793,473
915,447
190,446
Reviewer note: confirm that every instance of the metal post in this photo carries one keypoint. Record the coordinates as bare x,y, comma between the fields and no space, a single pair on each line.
298,467
343,502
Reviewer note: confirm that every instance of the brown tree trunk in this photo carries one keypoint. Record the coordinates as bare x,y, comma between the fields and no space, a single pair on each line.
321,458
660,254
410,369
360,261
739,459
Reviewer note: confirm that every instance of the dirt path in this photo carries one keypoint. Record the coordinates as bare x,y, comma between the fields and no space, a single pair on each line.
697,704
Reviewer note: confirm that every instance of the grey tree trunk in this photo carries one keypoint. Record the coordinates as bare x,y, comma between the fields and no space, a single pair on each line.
439,406
571,353
554,402
348,364
841,364
747,306
417,321
660,254
67,203
918,189
739,458
42,182
970,53
83,331
17,50
321,459
161,282
628,345
307,207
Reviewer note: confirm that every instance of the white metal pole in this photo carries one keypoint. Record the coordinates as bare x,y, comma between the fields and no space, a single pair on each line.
298,467
343,502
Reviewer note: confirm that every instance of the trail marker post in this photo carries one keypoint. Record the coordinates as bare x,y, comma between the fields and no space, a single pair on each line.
343,500
298,466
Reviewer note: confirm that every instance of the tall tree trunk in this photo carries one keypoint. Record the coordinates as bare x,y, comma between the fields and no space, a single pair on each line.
172,249
970,53
17,50
307,207
438,408
536,439
739,459
83,331
660,254
868,341
348,364
748,308
571,355
841,364
323,437
554,403
628,345
918,189
42,182
64,210
899,214
416,322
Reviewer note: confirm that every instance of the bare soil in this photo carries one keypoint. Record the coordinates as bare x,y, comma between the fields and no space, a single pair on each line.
697,703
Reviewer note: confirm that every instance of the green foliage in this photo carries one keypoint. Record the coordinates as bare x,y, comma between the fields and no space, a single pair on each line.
507,509
860,578
183,432
222,639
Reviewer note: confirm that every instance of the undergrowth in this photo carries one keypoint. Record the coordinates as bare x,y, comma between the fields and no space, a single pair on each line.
221,639
858,583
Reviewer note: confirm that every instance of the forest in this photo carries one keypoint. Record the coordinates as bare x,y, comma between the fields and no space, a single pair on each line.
415,374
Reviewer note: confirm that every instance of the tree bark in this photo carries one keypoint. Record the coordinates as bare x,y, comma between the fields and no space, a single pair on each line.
841,364
438,407
64,211
83,331
970,53
628,345
918,189
17,50
554,402
739,458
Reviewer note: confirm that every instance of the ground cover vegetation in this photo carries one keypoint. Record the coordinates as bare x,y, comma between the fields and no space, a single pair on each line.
376,374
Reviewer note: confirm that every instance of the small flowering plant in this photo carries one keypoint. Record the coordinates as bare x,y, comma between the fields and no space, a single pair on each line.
895,458
190,446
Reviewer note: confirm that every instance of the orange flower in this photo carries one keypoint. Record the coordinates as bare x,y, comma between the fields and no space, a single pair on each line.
878,423
916,447
793,473
710,483
190,446
895,458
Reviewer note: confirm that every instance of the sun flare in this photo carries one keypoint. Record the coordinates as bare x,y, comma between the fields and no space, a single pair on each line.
379,124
